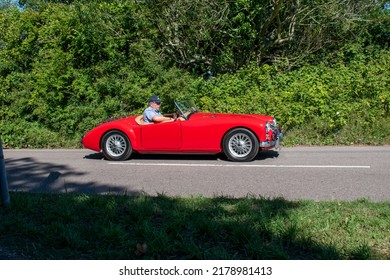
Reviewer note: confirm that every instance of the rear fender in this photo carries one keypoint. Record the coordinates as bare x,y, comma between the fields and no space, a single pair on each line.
130,133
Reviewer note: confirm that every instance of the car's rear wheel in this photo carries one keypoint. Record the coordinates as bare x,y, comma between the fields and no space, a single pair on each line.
240,144
116,146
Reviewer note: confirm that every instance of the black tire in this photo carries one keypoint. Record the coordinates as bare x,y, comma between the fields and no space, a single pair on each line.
240,144
116,146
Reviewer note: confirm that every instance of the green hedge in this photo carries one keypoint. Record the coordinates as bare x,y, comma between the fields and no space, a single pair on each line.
65,68
331,103
337,102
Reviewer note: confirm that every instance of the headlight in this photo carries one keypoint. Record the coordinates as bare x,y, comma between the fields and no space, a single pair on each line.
267,126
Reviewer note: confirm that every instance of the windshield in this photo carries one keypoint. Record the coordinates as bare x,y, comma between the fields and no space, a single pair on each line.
186,108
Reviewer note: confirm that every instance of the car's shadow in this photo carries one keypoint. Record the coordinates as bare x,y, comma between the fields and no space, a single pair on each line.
262,155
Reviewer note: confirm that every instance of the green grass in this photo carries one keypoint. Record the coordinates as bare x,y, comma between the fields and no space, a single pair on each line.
77,226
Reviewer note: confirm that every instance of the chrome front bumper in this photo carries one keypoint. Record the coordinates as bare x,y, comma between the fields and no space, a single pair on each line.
275,143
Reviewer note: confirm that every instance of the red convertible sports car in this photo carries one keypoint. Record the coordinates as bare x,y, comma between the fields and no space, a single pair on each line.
239,136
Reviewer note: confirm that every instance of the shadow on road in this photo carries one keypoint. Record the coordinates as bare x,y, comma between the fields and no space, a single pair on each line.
26,174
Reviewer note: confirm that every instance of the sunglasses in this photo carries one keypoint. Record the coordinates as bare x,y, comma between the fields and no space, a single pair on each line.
157,102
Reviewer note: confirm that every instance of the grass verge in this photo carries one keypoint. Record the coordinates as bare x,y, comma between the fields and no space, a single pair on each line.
79,226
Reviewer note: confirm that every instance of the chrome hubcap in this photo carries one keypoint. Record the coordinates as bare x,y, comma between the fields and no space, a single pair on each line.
240,145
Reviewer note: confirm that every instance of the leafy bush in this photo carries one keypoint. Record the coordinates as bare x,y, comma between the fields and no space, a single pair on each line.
66,67
23,134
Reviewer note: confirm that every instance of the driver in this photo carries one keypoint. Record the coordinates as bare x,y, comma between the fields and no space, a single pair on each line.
152,113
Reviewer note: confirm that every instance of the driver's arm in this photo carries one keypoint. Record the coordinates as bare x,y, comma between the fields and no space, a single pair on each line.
158,119
173,115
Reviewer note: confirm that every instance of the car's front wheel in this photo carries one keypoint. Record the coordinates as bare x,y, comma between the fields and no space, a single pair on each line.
116,146
240,144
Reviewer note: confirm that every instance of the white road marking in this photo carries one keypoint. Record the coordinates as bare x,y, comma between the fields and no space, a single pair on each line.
239,165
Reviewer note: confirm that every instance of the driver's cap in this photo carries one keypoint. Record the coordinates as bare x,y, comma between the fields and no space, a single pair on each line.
155,99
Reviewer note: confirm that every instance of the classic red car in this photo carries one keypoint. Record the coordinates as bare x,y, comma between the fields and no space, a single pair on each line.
239,136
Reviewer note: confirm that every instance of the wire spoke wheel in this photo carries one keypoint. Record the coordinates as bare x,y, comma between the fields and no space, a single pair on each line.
240,144
116,146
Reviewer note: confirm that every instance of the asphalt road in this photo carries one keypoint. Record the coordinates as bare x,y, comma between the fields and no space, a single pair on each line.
319,173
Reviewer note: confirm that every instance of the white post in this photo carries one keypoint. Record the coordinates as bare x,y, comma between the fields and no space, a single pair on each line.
3,180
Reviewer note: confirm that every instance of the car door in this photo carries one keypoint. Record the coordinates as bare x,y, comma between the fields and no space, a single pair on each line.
161,136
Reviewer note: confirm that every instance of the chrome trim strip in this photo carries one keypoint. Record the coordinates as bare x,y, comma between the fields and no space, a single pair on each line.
267,144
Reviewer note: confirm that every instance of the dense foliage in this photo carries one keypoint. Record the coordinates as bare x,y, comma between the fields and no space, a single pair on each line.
320,66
